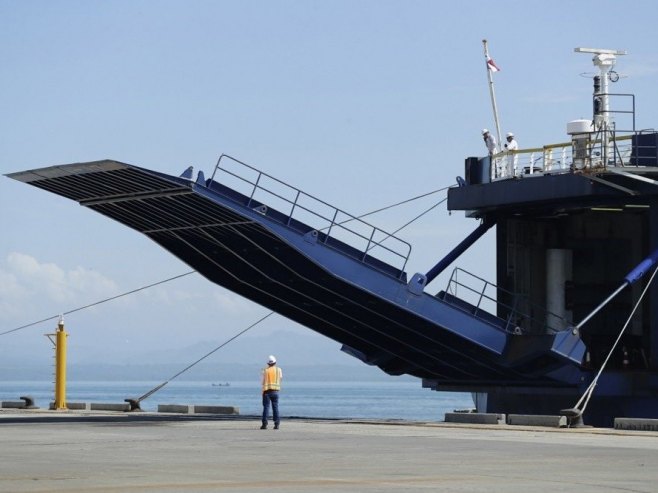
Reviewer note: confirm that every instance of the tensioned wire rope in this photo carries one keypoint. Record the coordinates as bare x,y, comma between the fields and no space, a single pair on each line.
135,402
584,399
97,303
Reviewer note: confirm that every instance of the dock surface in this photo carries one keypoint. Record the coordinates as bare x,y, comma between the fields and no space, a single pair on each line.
123,452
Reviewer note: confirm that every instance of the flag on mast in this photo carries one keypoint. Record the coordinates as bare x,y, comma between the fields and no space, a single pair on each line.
491,68
492,65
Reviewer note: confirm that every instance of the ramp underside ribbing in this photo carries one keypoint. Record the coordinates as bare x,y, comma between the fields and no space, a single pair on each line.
239,249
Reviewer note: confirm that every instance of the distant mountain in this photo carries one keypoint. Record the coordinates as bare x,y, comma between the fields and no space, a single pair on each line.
202,372
290,347
303,356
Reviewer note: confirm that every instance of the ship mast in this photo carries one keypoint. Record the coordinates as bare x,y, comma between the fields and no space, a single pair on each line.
487,59
605,61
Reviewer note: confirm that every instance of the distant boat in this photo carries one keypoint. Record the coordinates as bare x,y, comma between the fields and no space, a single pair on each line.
226,384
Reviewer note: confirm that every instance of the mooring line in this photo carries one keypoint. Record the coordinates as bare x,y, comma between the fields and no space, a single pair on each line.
97,303
155,389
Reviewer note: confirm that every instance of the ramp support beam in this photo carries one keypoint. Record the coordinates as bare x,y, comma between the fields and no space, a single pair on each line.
487,223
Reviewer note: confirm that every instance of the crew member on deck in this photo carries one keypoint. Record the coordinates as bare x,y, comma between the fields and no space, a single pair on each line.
490,142
512,157
272,376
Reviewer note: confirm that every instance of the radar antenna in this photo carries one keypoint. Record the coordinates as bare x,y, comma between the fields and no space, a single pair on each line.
605,61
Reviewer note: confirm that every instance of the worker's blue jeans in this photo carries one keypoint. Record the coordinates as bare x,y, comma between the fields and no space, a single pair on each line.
273,397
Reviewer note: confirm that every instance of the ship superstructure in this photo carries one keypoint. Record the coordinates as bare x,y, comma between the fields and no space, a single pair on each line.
572,220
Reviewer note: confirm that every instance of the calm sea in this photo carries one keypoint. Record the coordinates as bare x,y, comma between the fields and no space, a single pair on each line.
384,400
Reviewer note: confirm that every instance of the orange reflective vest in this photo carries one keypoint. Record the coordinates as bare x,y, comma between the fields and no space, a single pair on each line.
272,378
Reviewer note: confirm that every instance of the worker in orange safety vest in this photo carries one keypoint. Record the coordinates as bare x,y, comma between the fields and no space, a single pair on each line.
272,376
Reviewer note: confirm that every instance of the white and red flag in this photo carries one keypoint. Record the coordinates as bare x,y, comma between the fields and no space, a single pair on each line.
492,65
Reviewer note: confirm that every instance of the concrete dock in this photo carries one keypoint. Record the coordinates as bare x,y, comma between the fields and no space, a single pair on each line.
125,452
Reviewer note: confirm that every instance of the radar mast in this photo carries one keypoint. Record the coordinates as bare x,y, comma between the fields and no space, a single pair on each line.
605,61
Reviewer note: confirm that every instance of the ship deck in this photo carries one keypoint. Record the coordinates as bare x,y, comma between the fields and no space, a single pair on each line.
561,176
549,192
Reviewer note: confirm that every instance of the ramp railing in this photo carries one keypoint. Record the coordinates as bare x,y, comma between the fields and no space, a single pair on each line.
484,300
338,227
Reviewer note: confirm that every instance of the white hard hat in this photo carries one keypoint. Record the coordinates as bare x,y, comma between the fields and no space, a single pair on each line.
271,360
510,134
485,131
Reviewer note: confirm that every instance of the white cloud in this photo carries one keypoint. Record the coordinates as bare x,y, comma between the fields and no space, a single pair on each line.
10,291
26,283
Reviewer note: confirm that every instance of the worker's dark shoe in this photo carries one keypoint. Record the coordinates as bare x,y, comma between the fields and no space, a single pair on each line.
276,427
263,427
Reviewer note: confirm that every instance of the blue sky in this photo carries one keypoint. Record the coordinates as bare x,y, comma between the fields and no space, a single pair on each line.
359,103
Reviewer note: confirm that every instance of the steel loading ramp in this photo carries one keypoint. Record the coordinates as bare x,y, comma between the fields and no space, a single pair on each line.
342,277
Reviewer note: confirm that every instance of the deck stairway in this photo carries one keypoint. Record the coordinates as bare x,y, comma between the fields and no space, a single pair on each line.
316,265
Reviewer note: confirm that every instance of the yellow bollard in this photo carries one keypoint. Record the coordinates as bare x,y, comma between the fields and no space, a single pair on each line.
60,366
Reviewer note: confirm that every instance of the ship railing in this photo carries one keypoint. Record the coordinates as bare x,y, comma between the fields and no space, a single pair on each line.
593,154
553,158
298,208
483,300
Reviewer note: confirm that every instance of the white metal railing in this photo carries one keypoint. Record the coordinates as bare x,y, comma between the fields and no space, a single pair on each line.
295,205
560,158
522,315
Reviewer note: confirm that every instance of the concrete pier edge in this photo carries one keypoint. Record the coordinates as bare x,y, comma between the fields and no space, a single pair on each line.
556,421
475,418
636,424
453,418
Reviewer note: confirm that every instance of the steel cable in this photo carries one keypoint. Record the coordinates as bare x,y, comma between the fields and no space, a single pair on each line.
97,302
158,387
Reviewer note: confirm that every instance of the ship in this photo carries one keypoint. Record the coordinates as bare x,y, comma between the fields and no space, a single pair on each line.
572,311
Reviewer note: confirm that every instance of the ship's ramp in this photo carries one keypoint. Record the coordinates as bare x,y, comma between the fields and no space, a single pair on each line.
314,264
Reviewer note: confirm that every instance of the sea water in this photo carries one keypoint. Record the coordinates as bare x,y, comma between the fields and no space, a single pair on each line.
382,399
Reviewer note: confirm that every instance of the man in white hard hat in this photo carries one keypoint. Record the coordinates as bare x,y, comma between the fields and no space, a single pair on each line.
272,376
511,146
490,142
